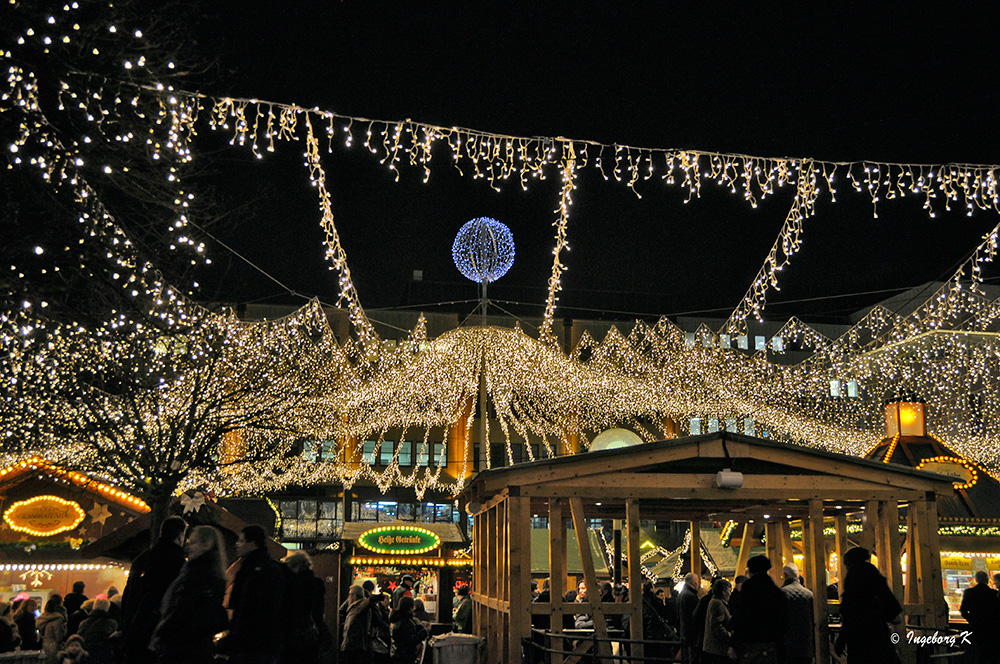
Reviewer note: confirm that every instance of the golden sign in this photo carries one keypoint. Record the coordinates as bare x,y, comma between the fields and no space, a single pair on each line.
44,516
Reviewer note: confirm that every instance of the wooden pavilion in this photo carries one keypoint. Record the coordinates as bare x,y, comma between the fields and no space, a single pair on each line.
680,480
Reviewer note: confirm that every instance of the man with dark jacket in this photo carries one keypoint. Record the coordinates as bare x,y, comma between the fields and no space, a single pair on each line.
151,574
354,647
687,604
74,600
404,588
760,620
982,611
256,631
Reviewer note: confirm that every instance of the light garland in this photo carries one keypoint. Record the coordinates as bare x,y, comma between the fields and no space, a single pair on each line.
959,485
60,567
10,516
483,250
364,539
408,561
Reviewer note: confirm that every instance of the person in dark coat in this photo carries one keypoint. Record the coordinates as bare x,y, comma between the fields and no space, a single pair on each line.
687,604
74,600
981,608
192,611
715,645
24,618
404,589
256,634
100,633
544,596
311,634
151,574
380,631
760,619
355,646
74,652
568,620
421,613
78,616
654,627
52,627
463,612
9,637
866,606
407,633
700,614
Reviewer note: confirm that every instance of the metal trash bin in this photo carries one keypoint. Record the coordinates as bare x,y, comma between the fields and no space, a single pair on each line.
452,648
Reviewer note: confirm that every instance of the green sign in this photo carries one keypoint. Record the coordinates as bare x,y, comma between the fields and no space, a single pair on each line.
399,540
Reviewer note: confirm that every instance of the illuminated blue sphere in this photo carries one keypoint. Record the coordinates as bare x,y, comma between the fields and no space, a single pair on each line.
483,250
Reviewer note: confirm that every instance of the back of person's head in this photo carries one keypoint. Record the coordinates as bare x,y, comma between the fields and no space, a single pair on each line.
255,535
298,561
647,587
758,565
462,591
407,580
406,604
211,536
545,584
691,580
982,578
54,604
570,596
356,593
606,589
719,587
172,528
738,581
418,604
76,638
790,571
88,606
368,587
102,605
27,606
79,586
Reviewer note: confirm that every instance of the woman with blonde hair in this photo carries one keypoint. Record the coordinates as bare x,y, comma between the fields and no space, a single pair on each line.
192,611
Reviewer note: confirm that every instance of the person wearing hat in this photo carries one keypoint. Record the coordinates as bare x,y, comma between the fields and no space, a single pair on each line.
463,612
866,607
74,652
760,619
404,588
100,633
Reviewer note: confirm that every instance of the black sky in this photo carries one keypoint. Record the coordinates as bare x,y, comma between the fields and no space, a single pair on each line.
835,83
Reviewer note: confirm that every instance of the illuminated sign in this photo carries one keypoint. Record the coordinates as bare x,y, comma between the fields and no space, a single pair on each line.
961,470
399,540
44,516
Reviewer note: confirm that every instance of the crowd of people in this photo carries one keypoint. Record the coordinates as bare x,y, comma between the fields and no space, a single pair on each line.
182,605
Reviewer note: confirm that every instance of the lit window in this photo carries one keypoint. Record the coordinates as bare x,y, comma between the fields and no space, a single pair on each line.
423,453
368,452
777,344
695,426
748,427
834,388
386,453
852,388
743,342
707,341
310,450
689,338
725,341
731,424
713,424
405,453
759,342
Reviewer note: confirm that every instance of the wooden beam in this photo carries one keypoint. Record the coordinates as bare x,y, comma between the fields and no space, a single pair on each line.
890,515
634,576
868,525
787,548
773,539
937,603
817,551
744,556
519,577
724,497
590,576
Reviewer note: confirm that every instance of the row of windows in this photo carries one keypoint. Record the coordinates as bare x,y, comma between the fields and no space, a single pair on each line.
323,519
410,453
742,341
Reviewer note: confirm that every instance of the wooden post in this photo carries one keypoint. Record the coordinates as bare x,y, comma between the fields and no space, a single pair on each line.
774,550
741,560
460,463
590,576
569,444
492,578
868,525
840,526
557,571
519,576
935,593
634,576
787,548
696,550
922,554
817,554
890,516
911,596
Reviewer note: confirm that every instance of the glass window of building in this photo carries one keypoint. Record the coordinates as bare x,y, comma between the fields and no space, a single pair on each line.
852,389
695,426
748,427
725,341
777,344
742,341
536,450
731,424
713,424
368,511
423,453
386,511
368,452
689,338
386,452
442,513
406,512
405,453
310,519
834,388
759,342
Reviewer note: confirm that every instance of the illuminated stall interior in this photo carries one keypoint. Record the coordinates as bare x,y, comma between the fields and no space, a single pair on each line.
50,515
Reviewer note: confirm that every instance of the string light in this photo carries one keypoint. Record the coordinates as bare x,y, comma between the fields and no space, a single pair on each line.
483,250
70,516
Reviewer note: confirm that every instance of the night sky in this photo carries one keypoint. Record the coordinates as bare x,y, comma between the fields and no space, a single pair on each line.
835,84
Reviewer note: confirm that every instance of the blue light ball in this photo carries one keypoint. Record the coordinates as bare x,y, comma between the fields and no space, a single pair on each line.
483,250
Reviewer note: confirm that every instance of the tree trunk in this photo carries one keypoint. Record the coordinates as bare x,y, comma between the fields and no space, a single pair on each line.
158,499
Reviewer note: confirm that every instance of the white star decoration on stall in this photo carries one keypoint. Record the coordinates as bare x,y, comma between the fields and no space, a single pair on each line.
99,513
